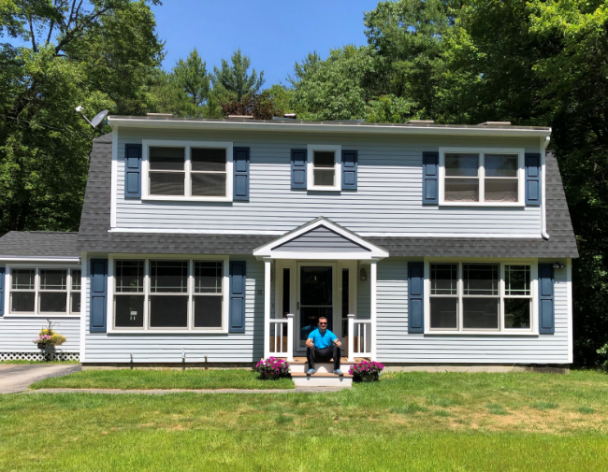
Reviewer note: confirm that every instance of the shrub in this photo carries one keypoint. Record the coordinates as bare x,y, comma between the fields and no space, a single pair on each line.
272,366
366,367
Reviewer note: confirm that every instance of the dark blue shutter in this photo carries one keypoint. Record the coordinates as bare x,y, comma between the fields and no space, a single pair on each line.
237,296
430,182
2,274
415,307
298,168
349,170
99,295
132,170
533,183
546,299
241,173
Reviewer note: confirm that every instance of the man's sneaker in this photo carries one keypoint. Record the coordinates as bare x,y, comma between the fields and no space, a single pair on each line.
310,372
338,372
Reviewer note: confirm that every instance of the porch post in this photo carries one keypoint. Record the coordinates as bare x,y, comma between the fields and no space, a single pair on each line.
290,333
373,290
267,290
351,337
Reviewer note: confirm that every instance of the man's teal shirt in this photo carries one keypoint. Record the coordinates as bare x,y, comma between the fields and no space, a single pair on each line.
322,340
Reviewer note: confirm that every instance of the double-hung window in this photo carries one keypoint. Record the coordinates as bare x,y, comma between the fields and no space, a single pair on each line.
484,177
163,294
196,170
480,297
324,167
44,291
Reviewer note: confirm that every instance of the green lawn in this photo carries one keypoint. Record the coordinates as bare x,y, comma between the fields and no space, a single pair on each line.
145,379
415,421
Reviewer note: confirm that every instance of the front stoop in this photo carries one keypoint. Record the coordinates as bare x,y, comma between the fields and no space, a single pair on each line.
300,379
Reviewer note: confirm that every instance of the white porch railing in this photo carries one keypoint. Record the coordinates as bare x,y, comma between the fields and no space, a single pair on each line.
281,337
360,341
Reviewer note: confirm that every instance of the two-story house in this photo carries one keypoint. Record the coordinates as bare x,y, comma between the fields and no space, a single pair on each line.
223,241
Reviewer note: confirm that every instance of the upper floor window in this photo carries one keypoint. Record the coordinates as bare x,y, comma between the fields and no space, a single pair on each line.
175,170
488,177
44,291
324,167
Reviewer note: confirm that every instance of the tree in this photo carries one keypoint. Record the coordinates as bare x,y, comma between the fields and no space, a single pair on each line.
235,78
98,55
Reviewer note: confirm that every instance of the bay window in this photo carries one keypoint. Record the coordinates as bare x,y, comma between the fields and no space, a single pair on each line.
480,297
162,294
44,291
491,178
194,170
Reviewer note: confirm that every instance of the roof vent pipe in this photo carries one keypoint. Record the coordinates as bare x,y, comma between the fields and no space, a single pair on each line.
496,123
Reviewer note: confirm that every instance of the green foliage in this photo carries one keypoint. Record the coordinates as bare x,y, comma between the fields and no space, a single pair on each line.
261,106
97,55
235,79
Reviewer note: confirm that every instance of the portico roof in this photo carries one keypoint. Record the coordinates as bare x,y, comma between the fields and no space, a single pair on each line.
322,239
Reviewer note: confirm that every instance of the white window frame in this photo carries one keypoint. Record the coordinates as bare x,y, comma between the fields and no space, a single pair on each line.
190,329
521,201
337,150
187,145
37,268
501,331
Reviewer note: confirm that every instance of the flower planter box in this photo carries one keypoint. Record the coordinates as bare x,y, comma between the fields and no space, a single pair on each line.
368,377
41,345
269,376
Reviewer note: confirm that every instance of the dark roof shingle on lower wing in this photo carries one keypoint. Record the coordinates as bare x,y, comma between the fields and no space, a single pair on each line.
95,222
39,243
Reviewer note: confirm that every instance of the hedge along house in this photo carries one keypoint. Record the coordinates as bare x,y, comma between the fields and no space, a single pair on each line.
224,241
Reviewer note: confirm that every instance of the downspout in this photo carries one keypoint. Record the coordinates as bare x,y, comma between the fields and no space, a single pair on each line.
543,203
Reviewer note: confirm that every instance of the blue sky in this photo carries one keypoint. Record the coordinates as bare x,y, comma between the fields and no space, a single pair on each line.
273,33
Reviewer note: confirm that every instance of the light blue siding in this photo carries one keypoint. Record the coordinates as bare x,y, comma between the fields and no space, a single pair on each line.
227,348
396,345
321,239
388,198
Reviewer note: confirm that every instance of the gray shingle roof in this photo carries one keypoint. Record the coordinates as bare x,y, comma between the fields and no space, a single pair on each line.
95,222
39,243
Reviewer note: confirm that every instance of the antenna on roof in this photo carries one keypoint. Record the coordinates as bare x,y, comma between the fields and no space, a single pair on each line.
95,122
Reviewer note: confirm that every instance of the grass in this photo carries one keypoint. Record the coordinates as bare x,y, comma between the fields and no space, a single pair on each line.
147,379
399,423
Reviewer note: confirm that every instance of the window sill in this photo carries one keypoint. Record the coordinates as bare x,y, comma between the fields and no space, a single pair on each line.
167,331
483,204
40,315
481,333
324,189
186,199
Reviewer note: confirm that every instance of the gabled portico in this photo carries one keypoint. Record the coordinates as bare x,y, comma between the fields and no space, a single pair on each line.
317,270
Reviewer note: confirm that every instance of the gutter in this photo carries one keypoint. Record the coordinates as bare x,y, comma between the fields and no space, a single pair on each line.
543,202
226,125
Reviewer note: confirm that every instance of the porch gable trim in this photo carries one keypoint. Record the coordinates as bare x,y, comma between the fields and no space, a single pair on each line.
372,252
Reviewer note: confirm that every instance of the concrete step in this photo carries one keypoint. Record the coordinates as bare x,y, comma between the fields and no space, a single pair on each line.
299,364
321,380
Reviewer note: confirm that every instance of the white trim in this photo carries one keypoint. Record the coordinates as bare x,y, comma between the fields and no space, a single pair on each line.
114,181
84,307
482,151
570,311
373,277
362,234
228,125
373,251
147,329
500,331
267,307
187,145
42,259
32,315
337,150
543,197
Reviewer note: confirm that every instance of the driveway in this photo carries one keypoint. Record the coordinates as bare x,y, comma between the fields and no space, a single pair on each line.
17,377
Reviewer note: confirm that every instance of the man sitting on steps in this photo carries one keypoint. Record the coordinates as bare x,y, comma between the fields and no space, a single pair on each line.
323,345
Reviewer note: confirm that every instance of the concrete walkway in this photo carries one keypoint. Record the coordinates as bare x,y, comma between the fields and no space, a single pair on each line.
164,392
15,378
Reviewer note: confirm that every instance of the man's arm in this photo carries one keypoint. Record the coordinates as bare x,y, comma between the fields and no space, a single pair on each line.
336,340
310,343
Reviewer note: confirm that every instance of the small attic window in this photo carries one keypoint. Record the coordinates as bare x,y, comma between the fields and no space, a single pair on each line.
324,167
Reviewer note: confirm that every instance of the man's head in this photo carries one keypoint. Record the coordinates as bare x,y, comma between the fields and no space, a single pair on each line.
322,323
